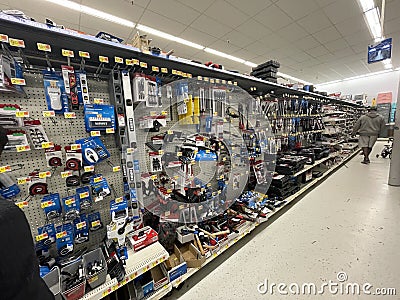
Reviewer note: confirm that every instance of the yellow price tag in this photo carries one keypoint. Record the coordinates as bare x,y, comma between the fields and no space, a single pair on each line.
98,101
164,113
60,235
103,59
215,254
43,47
206,79
130,150
118,60
97,179
5,169
215,113
164,70
18,81
47,204
179,154
136,62
155,69
143,64
229,82
161,152
70,201
46,145
223,81
67,53
43,175
129,62
153,177
22,204
169,191
209,184
199,78
22,148
16,43
174,72
84,54
96,223
66,174
95,133
184,75
119,200
48,113
179,73
207,151
22,114
212,80
116,169
41,237
25,180
3,38
189,75
76,147
217,81
70,115
84,195
81,225
89,168
110,130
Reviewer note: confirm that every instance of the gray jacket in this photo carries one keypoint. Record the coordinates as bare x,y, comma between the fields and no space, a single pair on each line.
371,124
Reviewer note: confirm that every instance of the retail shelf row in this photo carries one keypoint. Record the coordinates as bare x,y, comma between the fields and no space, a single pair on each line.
33,32
251,226
137,264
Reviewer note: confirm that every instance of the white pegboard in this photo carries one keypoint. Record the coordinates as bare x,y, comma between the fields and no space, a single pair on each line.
63,132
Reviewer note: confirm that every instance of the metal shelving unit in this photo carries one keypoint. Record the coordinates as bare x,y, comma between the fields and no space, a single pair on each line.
137,264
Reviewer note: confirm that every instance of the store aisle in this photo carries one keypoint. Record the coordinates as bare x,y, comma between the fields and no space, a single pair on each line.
348,224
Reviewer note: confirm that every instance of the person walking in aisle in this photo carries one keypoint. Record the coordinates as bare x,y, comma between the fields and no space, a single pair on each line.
369,127
19,267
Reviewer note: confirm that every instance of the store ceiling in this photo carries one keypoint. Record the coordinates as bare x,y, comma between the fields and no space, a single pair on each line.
315,40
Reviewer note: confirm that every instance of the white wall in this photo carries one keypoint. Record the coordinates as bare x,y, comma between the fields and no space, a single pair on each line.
372,85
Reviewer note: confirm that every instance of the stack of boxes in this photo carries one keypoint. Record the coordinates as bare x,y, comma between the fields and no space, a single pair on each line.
267,71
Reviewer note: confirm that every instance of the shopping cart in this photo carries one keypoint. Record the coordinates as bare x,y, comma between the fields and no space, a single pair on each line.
387,149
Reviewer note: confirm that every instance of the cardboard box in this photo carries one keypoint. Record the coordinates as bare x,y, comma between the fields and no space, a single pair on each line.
186,238
175,265
160,277
192,256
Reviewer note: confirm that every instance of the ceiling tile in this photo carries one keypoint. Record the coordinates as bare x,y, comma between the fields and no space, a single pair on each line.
253,29
142,3
305,43
162,23
273,17
245,54
339,44
341,10
223,46
238,39
174,10
315,22
317,51
258,48
359,37
121,8
392,10
323,3
392,26
210,26
293,32
101,25
302,56
351,26
327,35
226,14
343,53
274,41
326,58
200,6
297,9
197,37
252,7
360,48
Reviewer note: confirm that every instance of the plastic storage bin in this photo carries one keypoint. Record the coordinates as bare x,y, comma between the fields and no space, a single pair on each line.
53,281
77,291
100,277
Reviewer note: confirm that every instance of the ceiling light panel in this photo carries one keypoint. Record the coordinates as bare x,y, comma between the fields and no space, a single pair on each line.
222,54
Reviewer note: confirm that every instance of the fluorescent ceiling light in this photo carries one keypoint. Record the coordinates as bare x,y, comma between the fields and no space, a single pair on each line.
168,36
367,5
93,12
374,24
224,55
357,77
250,64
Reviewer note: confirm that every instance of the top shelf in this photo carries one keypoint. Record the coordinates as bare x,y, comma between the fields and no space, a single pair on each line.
33,32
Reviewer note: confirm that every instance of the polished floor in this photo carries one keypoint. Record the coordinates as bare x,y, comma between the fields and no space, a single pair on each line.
349,223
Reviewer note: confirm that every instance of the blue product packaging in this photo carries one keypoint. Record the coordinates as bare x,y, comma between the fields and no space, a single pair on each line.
100,187
85,200
93,150
82,87
56,97
65,239
95,221
99,117
81,228
51,205
71,206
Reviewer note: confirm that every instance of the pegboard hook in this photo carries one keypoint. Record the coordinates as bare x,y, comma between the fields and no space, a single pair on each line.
83,63
99,70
